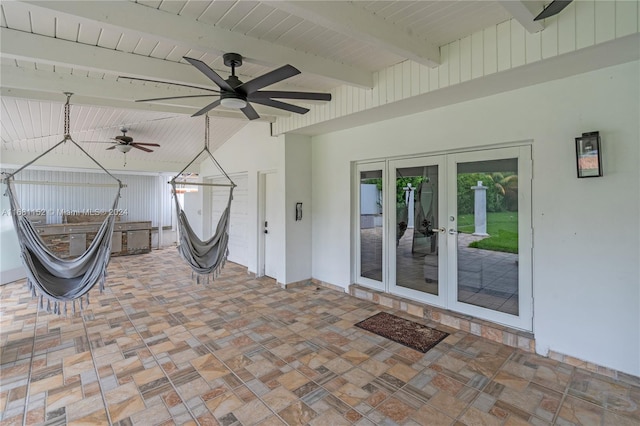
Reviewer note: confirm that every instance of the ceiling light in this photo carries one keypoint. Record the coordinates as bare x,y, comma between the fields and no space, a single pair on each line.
233,103
124,148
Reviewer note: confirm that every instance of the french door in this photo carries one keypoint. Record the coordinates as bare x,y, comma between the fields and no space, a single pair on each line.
417,199
453,231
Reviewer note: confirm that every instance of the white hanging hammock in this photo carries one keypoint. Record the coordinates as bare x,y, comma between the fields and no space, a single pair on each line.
205,257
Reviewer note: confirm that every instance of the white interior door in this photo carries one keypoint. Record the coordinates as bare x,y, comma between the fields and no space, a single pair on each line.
270,209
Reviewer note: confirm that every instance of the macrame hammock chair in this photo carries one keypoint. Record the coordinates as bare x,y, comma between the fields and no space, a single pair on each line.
58,282
205,257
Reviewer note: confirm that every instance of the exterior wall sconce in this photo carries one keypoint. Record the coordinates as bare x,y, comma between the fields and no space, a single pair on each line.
588,155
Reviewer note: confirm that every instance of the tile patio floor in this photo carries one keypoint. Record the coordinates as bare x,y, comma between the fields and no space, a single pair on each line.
156,349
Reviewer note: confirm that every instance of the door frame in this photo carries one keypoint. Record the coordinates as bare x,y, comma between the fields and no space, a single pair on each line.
447,297
262,208
368,282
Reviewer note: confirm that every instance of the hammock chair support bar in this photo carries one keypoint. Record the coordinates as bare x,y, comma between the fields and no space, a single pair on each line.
101,185
232,185
66,138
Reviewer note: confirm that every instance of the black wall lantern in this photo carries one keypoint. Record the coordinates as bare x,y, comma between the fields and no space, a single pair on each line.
588,155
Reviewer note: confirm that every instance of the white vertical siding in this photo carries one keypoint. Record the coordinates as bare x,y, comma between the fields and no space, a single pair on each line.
605,21
490,50
497,48
503,35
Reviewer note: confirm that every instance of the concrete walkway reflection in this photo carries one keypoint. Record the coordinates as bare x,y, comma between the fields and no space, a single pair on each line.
485,278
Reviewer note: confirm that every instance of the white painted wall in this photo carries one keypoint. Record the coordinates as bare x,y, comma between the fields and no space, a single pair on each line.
10,263
586,278
297,178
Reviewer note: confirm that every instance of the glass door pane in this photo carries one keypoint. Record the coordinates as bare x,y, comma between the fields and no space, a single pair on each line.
487,240
490,235
416,214
369,233
371,224
415,243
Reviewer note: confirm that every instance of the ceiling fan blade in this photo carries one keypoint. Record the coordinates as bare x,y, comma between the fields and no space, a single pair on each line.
249,112
175,97
290,95
281,105
268,79
144,143
208,108
111,147
96,141
554,8
166,82
135,145
206,70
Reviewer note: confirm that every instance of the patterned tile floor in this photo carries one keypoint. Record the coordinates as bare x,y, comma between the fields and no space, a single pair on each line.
156,349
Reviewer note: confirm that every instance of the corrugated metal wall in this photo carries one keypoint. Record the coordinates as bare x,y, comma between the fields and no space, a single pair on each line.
146,197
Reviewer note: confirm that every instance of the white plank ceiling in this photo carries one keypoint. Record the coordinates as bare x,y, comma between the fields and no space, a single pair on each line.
51,47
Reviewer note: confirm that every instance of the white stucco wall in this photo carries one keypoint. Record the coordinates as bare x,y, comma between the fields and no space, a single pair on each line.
586,278
298,190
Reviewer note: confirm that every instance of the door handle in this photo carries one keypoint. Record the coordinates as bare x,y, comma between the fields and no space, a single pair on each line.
432,231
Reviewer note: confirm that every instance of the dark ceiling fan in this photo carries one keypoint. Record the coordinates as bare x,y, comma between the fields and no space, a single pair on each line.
124,143
555,7
235,94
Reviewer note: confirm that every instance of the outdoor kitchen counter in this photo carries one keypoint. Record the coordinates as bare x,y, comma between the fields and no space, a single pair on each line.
72,239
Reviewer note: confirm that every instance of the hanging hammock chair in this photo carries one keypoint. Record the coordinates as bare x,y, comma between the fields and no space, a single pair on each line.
205,257
55,281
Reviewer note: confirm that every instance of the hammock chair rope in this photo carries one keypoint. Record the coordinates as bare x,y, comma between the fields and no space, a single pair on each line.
54,281
205,257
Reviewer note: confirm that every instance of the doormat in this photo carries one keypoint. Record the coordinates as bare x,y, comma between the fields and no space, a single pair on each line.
408,333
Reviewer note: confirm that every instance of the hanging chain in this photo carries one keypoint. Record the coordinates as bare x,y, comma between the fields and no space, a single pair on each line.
67,108
206,131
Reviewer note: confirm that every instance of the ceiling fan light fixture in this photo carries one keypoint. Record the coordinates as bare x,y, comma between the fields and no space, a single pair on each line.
124,148
233,102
